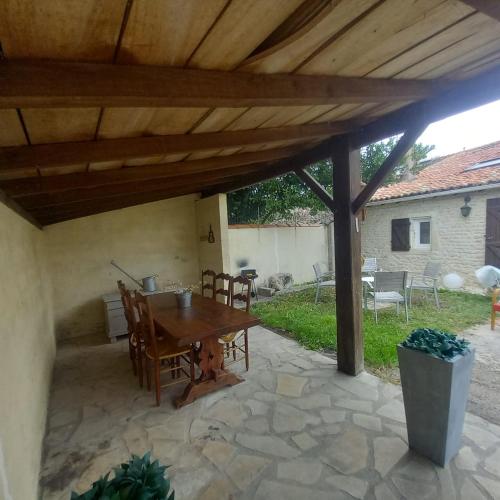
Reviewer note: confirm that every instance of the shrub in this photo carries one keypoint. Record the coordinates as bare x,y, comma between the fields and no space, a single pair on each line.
139,479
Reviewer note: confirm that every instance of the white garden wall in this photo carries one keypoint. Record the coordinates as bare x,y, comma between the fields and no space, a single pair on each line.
457,242
273,249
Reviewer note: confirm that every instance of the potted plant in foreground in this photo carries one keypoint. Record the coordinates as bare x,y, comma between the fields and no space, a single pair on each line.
435,371
139,479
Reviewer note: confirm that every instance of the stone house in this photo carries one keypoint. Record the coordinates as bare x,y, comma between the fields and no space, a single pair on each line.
426,218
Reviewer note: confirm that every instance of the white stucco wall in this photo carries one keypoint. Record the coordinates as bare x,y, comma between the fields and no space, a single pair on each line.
274,249
27,347
155,238
457,242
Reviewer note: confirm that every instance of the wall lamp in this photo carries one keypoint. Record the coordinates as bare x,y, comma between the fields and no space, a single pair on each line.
465,209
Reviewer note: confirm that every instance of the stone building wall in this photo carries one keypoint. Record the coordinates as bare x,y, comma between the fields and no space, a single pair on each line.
457,242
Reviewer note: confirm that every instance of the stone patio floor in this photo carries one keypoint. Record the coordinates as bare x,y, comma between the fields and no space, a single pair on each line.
295,429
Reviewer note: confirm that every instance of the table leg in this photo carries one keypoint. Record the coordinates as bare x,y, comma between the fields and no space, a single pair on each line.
213,375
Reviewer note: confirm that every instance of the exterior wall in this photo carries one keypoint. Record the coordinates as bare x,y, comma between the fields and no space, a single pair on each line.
457,242
273,249
156,238
213,212
27,345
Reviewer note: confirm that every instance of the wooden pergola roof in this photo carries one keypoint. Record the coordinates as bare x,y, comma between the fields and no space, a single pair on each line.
110,103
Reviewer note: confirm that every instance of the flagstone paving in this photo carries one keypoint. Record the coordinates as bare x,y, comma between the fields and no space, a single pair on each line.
296,428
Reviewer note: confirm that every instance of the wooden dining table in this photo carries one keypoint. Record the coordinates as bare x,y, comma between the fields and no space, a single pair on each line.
204,322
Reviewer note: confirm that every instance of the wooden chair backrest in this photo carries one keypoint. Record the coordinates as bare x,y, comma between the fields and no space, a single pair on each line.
208,283
146,322
128,306
244,293
224,290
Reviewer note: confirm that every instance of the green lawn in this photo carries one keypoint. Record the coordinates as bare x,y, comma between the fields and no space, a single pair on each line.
314,326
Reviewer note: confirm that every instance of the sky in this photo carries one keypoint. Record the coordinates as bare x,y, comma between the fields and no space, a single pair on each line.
464,131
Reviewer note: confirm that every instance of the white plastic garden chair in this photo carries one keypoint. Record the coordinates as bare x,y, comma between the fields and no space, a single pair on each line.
427,282
323,279
390,287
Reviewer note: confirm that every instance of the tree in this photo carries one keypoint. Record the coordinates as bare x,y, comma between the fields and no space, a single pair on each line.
276,197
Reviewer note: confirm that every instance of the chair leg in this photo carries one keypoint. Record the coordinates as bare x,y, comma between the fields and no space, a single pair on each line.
139,364
148,373
233,347
411,296
191,364
157,382
436,296
406,310
317,294
247,356
132,354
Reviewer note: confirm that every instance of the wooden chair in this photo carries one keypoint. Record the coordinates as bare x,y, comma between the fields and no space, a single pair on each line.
225,289
232,343
134,338
495,306
208,283
161,352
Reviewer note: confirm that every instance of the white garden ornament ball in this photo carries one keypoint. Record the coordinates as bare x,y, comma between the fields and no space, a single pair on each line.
453,281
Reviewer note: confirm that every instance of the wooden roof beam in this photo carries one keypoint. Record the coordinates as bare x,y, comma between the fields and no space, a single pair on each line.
489,7
14,158
79,194
464,95
299,161
45,84
29,186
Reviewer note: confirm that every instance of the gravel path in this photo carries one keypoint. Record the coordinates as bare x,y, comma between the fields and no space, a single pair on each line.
484,399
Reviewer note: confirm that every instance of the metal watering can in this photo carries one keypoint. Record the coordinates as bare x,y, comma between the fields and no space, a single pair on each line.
148,284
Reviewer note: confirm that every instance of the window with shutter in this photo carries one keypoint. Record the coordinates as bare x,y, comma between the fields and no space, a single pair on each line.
400,235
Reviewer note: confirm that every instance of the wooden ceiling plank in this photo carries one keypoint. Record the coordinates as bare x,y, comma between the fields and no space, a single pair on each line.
293,51
43,84
45,155
166,33
489,7
27,187
61,29
240,30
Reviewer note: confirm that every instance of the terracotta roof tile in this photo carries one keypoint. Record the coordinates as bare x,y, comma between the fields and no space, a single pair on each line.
448,172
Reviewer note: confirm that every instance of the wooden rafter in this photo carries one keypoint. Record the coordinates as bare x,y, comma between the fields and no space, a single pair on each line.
72,153
394,157
23,187
299,161
16,207
42,84
79,194
489,7
463,96
316,188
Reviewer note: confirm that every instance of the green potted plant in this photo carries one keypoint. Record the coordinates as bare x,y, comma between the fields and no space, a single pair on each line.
138,479
435,369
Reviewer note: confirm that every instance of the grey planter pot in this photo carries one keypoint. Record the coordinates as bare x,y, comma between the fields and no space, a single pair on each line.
435,395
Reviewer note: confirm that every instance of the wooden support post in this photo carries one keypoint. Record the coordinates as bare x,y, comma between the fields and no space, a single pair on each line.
346,186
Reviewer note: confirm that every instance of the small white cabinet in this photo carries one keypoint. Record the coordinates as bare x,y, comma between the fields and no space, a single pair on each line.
114,315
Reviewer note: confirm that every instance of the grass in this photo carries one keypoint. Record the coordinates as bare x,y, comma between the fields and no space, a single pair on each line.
314,326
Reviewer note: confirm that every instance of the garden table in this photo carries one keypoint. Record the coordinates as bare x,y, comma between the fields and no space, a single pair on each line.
204,322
